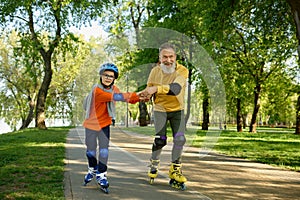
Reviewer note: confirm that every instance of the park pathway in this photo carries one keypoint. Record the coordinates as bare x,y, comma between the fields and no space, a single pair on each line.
209,176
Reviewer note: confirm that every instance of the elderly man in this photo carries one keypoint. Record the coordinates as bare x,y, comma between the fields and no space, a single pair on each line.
167,82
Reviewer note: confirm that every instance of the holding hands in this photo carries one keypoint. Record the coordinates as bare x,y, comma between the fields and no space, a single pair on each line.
146,94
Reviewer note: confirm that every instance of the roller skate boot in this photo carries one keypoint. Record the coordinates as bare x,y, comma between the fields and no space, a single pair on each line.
102,181
153,170
90,175
177,180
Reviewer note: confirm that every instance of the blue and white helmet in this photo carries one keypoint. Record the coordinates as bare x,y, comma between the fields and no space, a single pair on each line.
109,67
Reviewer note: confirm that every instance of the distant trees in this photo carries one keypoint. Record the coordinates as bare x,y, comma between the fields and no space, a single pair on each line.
21,73
43,27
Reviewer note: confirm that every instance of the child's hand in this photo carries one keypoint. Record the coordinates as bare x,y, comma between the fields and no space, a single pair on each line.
144,95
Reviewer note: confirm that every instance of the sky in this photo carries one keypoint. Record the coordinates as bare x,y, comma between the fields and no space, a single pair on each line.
4,128
94,30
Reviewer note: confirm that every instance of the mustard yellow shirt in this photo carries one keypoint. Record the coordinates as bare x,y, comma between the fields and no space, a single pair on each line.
162,101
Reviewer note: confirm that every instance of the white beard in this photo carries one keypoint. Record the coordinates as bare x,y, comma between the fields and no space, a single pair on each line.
168,70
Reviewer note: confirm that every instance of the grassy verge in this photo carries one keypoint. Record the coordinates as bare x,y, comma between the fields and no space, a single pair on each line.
270,146
32,164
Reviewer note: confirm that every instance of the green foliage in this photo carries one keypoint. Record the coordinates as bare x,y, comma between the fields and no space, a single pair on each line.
66,67
249,41
86,76
252,43
278,102
72,13
23,61
32,164
121,17
20,78
43,28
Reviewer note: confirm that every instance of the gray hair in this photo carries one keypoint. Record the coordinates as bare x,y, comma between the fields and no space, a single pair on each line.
167,46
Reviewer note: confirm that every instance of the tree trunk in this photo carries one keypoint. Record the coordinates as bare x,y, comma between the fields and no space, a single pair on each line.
42,95
244,120
295,9
30,115
256,108
298,116
205,106
188,108
143,114
239,117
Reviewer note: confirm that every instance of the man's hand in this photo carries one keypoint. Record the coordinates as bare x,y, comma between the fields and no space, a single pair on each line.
146,94
151,90
143,95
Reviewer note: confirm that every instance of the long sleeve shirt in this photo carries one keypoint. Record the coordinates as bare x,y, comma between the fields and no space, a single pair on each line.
163,101
99,116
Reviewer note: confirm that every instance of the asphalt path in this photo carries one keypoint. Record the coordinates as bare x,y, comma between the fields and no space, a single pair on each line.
210,176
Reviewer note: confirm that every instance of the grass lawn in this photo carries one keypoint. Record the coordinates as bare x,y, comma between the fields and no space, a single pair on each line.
277,147
32,164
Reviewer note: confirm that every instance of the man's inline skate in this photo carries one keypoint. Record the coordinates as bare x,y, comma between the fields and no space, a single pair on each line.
177,180
102,181
153,170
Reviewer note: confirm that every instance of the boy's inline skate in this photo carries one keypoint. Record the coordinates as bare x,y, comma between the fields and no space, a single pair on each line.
177,180
90,175
102,181
153,170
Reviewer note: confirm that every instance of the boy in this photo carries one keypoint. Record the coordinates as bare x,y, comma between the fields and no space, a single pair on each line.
100,111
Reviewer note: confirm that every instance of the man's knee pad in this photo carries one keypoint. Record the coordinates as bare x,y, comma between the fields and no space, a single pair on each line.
103,153
179,140
91,154
160,141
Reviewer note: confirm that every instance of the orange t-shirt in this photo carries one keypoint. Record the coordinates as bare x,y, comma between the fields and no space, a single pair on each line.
99,116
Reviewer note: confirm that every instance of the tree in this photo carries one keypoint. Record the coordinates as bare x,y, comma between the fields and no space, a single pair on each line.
187,17
32,18
248,32
205,107
66,68
19,74
127,16
295,12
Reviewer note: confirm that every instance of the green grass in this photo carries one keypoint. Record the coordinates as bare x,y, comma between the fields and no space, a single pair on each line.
32,164
273,146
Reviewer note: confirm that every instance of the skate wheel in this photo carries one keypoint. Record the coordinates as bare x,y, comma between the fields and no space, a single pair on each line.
173,183
105,190
151,181
85,183
183,186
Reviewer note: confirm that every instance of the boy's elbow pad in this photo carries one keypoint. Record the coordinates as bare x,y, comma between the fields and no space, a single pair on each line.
118,97
175,89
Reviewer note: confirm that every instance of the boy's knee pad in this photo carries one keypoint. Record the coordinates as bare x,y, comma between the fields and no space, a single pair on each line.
160,141
179,140
103,153
91,154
